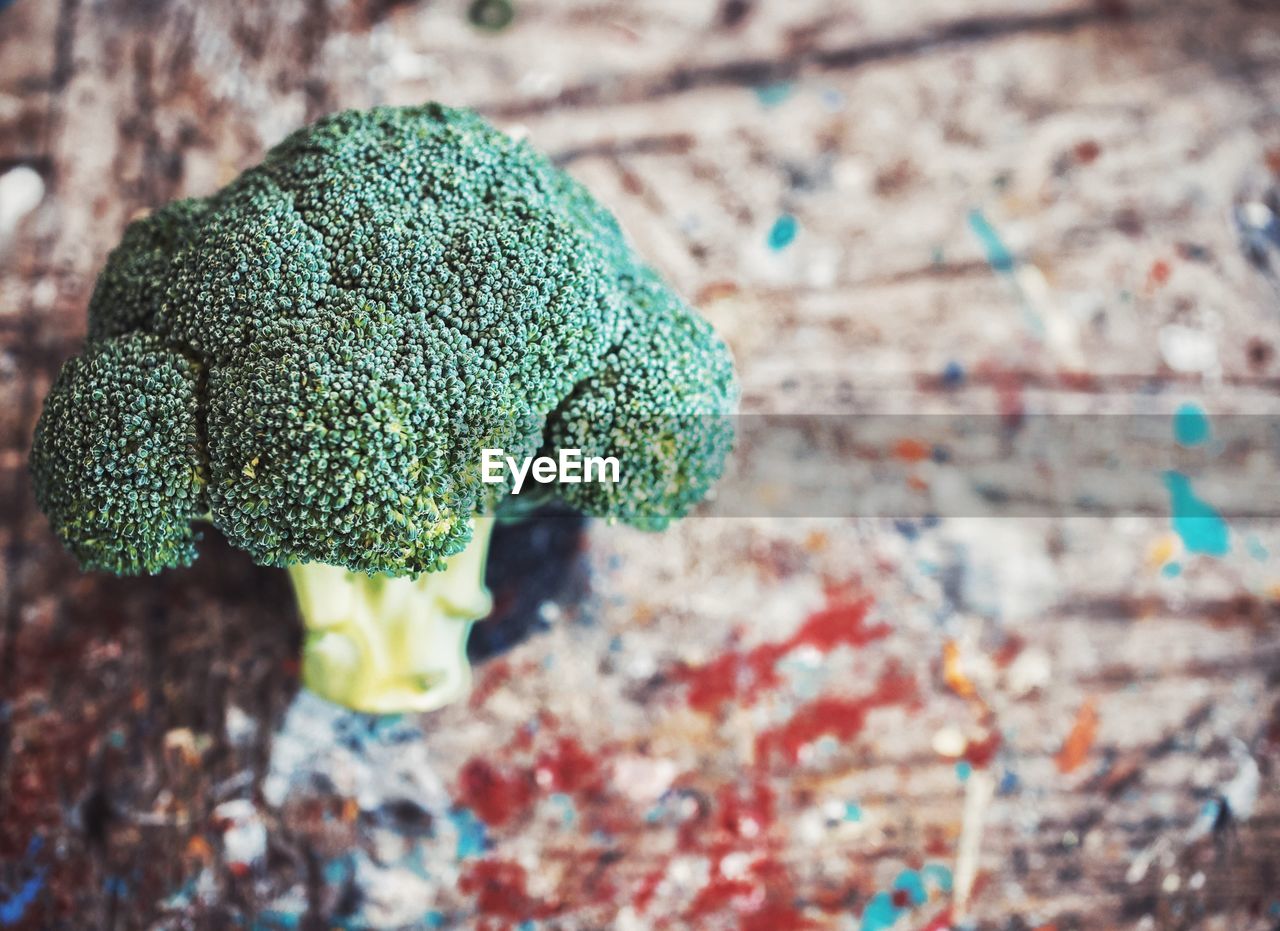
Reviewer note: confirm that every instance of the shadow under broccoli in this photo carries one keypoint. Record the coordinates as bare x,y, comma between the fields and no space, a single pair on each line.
313,358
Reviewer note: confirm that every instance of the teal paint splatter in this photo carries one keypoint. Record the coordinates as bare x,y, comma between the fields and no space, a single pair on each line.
964,769
471,837
880,913
1003,262
564,805
1201,528
1171,570
1190,425
852,811
276,920
1258,550
910,882
770,95
937,874
998,255
434,919
783,232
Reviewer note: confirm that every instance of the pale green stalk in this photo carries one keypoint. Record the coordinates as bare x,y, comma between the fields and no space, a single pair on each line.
383,644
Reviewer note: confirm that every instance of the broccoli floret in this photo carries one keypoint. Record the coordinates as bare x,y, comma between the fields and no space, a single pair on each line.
313,358
117,456
130,289
657,403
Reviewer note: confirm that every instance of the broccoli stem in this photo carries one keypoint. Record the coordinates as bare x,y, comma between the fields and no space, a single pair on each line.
384,644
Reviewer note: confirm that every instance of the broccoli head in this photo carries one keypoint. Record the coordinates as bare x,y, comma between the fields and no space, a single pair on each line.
313,358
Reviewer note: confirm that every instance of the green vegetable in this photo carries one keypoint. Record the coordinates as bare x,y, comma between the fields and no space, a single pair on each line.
313,358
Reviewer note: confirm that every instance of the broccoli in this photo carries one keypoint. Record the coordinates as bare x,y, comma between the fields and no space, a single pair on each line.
313,358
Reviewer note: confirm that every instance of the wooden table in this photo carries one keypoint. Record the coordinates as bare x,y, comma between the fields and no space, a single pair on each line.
921,206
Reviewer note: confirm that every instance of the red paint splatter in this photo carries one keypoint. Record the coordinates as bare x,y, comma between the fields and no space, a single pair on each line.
569,768
742,676
495,795
648,889
1077,381
842,718
495,675
940,922
911,450
720,893
1159,274
499,887
721,680
839,625
1087,151
1009,651
1008,385
763,896
745,811
980,753
737,818
936,842
775,916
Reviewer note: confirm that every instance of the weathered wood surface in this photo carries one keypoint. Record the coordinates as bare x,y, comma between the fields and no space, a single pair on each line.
1107,142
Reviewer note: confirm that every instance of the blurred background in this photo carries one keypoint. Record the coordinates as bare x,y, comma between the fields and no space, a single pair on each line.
990,207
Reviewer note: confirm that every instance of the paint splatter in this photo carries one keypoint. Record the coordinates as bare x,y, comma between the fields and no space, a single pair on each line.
471,834
1087,151
939,875
569,768
491,15
1195,521
911,450
953,671
771,95
1190,425
500,891
841,718
998,255
911,888
953,375
496,795
783,232
941,922
1075,749
1159,274
13,908
912,883
743,676
880,913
